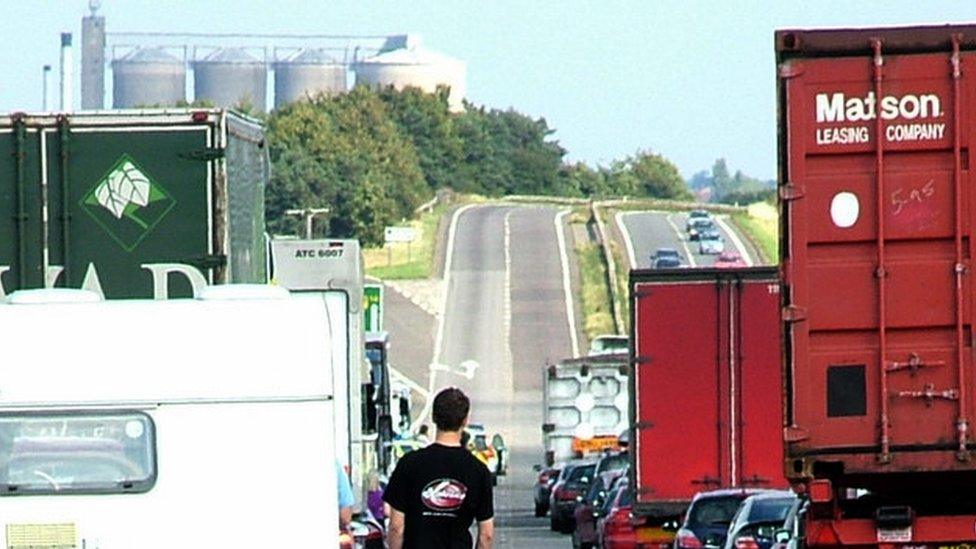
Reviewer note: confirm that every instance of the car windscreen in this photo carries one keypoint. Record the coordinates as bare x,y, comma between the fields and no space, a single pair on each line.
713,511
668,262
578,473
76,453
666,252
626,498
770,510
617,462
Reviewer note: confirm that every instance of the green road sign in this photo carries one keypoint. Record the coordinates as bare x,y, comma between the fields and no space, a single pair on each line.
373,307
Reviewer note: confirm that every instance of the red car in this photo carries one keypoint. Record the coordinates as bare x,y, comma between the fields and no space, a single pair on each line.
615,529
589,508
730,259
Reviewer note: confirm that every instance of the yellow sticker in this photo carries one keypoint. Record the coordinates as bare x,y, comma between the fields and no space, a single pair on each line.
41,536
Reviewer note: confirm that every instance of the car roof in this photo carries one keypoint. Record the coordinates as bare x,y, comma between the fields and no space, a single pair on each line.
773,494
725,492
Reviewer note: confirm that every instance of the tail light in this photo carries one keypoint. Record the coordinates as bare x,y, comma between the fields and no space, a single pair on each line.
686,539
564,494
746,542
618,521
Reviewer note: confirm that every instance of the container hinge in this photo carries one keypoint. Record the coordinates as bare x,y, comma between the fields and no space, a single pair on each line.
929,394
791,191
640,360
708,481
913,365
643,425
204,155
548,427
207,262
790,70
795,434
792,313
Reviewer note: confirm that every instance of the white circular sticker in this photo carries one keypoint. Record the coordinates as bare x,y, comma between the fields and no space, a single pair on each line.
585,402
845,209
584,431
134,429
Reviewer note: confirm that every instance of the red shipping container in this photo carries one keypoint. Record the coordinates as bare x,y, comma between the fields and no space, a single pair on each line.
706,394
876,237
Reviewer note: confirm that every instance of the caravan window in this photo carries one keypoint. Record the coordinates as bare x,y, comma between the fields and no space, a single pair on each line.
70,453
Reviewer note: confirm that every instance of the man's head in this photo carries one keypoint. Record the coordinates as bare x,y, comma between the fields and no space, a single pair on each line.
451,408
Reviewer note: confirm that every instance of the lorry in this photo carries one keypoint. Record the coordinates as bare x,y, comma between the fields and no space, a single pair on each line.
705,408
584,406
876,198
132,204
143,424
332,270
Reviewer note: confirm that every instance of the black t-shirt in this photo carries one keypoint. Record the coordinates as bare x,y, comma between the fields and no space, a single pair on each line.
440,489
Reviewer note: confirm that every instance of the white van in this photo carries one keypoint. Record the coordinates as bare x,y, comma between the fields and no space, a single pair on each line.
160,424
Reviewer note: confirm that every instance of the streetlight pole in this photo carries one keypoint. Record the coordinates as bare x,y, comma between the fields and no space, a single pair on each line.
308,214
47,72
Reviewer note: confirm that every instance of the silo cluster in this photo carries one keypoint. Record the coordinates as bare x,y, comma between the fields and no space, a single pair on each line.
307,74
412,65
230,77
148,77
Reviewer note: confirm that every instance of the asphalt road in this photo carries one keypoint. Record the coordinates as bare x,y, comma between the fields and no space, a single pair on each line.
649,231
506,311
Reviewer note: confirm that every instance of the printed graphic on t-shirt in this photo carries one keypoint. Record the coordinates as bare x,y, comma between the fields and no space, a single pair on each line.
444,495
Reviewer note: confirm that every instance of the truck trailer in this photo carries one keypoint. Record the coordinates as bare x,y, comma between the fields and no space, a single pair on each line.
706,389
132,204
877,215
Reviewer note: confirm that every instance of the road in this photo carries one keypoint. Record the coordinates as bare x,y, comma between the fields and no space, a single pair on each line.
648,231
506,310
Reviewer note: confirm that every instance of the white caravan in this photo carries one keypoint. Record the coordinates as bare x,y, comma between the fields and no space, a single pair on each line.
159,424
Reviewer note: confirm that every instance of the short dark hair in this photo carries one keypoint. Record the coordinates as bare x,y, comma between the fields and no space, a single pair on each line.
451,408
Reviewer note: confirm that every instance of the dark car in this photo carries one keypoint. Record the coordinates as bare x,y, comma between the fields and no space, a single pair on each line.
589,507
697,226
709,516
543,488
696,214
758,519
574,481
665,252
667,263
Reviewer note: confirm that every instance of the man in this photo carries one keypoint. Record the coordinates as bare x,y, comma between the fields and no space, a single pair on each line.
436,492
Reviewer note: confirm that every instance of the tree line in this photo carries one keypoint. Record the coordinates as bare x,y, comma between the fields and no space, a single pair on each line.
372,157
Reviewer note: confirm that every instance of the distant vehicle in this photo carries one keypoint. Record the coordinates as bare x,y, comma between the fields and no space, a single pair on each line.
709,516
711,243
612,462
667,263
758,519
729,259
614,527
695,215
543,488
665,252
574,481
697,226
609,345
486,453
588,508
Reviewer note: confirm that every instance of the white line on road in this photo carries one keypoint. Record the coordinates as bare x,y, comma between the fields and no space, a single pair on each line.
507,305
567,288
743,251
448,261
629,244
684,244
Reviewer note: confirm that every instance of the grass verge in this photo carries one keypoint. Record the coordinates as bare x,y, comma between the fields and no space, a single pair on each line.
595,296
761,224
398,261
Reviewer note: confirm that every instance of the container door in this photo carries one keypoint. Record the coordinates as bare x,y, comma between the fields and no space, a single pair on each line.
759,414
21,216
680,369
879,262
139,209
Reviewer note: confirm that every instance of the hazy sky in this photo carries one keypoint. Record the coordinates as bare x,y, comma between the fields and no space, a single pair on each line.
692,80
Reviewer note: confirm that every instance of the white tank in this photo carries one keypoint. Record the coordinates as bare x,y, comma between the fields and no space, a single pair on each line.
308,74
229,77
415,66
148,77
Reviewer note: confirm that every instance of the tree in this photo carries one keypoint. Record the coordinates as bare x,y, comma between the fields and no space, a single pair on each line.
651,175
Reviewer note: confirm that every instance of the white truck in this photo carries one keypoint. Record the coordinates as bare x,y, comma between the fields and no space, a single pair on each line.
138,424
585,406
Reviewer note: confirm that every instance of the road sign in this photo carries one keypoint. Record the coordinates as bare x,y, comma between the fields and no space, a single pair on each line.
400,234
373,307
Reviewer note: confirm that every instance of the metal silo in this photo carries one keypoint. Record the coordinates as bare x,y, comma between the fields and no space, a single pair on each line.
230,76
148,77
308,73
417,67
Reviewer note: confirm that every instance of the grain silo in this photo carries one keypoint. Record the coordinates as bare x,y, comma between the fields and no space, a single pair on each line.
229,77
307,74
148,77
415,66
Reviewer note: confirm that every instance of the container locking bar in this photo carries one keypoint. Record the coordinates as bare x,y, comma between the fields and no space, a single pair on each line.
929,394
913,365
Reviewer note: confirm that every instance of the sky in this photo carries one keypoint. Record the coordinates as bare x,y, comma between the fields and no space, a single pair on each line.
692,80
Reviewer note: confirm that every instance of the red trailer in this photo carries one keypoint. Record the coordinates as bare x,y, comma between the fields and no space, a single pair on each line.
877,195
706,391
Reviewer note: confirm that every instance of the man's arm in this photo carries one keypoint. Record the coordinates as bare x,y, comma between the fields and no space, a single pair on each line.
394,535
486,534
345,517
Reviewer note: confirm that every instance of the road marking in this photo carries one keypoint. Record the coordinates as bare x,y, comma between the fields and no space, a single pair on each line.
567,287
684,244
507,300
743,251
448,261
629,244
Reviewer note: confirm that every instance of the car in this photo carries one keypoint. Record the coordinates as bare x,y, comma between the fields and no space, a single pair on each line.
665,252
543,488
788,536
573,482
729,259
609,344
477,443
615,530
589,506
758,519
696,214
708,517
667,263
611,462
711,242
698,226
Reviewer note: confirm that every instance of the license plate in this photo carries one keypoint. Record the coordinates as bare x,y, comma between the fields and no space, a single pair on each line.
653,535
895,535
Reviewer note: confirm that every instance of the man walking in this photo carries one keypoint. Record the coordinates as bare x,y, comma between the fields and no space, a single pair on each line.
436,492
